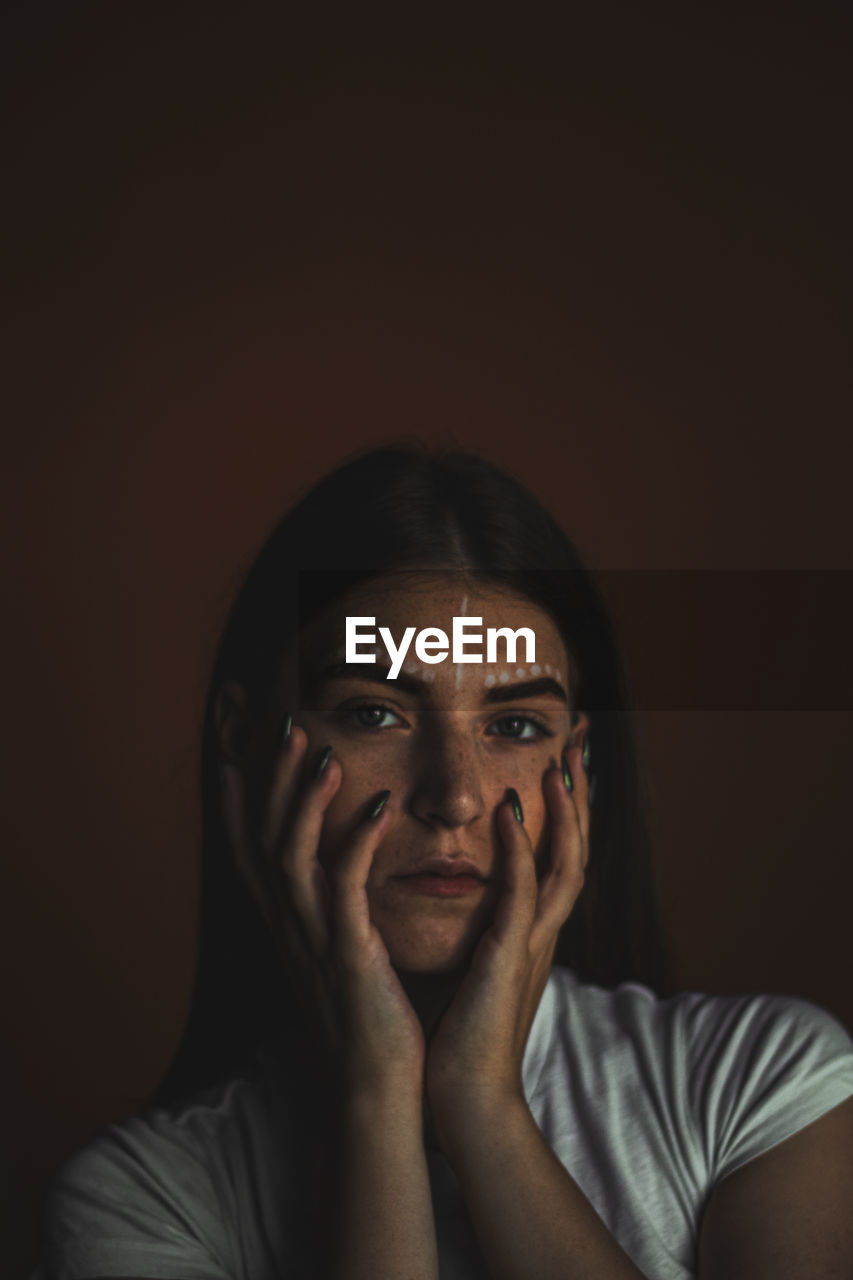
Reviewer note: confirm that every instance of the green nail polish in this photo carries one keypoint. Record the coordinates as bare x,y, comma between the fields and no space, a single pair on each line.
322,762
585,758
512,796
284,731
381,801
567,773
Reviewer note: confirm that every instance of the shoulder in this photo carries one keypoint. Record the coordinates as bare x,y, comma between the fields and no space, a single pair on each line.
744,1071
152,1191
776,1036
704,1026
762,1067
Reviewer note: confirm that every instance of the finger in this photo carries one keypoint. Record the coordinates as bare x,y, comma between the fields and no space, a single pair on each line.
581,789
285,784
348,881
515,908
563,880
576,785
304,878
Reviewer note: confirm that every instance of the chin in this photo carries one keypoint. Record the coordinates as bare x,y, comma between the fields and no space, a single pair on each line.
431,950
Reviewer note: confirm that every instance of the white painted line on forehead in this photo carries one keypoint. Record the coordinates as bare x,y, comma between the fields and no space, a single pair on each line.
459,664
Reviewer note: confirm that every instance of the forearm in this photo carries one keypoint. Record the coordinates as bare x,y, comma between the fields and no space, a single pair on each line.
383,1225
529,1214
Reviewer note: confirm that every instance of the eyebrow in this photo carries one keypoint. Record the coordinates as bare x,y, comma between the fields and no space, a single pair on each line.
376,673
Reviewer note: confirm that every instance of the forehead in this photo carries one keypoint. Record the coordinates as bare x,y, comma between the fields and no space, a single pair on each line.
421,599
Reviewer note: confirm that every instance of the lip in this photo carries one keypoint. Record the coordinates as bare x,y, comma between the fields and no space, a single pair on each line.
446,868
445,878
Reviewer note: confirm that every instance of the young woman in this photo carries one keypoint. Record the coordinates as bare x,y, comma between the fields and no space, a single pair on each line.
425,1039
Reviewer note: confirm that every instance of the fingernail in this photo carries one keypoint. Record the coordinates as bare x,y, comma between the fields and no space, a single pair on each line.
381,801
586,756
322,762
512,796
567,773
284,731
591,795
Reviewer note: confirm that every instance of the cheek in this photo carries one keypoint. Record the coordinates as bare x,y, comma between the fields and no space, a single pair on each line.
529,769
367,769
535,818
369,765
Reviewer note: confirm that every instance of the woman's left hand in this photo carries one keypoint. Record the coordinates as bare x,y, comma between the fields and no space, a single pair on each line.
475,1053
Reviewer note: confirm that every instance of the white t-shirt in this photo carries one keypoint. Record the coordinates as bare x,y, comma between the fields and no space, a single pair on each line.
648,1103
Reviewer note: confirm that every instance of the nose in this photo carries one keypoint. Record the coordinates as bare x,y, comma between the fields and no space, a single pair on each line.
446,789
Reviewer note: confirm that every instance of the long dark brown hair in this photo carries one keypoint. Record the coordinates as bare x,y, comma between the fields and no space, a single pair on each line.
400,507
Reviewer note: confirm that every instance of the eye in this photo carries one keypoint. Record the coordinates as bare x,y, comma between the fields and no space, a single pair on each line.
519,729
371,716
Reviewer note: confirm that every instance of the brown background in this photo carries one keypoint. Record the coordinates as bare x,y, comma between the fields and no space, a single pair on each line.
612,254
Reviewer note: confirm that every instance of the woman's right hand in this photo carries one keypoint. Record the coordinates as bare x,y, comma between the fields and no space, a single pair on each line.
368,1032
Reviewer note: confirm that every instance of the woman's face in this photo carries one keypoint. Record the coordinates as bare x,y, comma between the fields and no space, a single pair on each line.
447,739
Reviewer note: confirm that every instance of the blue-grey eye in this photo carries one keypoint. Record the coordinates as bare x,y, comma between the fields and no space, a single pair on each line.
519,728
372,717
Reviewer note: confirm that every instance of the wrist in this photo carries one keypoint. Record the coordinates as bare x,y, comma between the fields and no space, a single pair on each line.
463,1120
387,1123
358,1078
386,1096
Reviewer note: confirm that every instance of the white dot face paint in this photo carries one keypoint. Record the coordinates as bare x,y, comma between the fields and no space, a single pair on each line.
504,677
519,671
422,673
489,681
548,668
535,670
